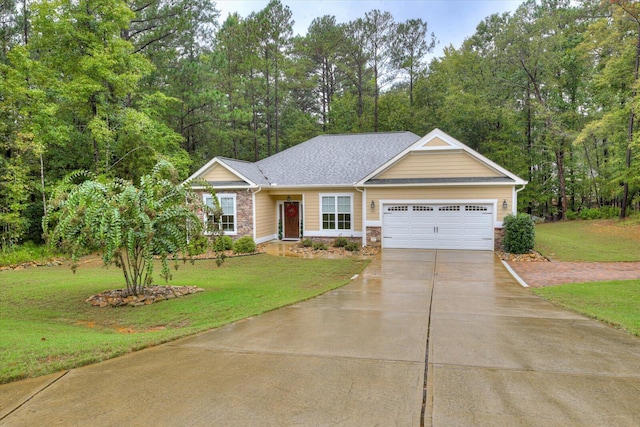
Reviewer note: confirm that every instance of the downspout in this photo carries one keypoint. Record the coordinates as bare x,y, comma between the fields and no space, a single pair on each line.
515,198
253,211
364,214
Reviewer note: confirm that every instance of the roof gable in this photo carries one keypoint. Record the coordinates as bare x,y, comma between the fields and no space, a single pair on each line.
439,158
221,172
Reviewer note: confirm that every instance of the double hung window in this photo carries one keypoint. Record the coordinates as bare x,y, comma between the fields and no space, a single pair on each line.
336,212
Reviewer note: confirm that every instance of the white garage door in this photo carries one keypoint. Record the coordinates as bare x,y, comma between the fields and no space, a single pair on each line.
438,226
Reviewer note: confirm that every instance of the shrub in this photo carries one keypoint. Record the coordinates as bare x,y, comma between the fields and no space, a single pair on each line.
571,215
307,243
352,247
244,245
319,246
590,213
224,243
198,245
519,233
340,242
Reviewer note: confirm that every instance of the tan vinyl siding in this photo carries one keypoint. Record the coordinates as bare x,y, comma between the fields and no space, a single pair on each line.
499,194
436,142
219,173
437,165
312,207
265,215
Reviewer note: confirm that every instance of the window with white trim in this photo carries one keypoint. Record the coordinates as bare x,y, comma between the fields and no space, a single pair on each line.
228,206
336,211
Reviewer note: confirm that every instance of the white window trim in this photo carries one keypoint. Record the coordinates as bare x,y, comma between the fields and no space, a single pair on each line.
205,196
335,232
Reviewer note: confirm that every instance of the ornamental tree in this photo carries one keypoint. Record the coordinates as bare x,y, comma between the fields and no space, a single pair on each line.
129,225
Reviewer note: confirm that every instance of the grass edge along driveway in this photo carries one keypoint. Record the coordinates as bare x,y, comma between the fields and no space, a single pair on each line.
45,325
615,302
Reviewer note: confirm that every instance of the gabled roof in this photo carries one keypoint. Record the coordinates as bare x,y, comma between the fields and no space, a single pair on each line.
438,141
347,160
247,173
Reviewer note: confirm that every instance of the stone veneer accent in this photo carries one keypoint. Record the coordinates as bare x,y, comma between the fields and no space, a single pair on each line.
375,232
244,212
498,235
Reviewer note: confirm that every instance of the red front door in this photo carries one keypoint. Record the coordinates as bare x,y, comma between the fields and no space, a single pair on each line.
291,220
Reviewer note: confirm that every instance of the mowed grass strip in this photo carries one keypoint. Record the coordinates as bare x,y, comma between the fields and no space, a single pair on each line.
45,325
590,241
616,302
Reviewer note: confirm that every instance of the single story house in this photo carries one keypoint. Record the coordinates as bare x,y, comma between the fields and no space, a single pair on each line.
391,189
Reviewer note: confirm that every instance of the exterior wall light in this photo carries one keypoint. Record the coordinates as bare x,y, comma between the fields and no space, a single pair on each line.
289,199
373,205
504,204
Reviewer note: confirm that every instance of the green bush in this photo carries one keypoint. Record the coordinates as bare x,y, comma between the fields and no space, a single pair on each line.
244,245
590,213
605,212
519,234
571,215
352,247
340,242
307,243
224,243
319,246
198,245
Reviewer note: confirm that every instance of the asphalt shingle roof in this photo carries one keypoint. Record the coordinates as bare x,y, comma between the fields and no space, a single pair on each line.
328,159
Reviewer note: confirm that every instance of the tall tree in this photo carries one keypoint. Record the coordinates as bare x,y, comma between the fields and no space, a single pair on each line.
411,44
354,61
380,28
321,46
614,47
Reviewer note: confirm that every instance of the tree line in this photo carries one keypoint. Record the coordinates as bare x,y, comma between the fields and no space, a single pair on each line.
112,86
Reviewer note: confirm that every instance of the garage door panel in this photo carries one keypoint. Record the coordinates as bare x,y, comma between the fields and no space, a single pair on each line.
438,226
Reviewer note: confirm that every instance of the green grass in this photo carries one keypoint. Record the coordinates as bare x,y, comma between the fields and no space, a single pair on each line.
589,241
616,302
19,254
45,325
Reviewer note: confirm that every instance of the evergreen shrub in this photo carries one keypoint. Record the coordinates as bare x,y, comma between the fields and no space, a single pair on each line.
224,243
519,234
340,242
244,245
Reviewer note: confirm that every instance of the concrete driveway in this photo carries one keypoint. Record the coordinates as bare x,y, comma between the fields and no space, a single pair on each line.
497,355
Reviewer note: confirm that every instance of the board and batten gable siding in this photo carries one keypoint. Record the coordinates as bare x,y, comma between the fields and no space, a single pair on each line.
438,165
497,193
220,174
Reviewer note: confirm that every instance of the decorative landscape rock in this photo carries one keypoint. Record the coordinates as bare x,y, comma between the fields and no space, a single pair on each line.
31,264
121,297
531,256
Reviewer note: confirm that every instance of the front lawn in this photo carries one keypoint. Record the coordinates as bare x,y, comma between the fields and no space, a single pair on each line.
589,241
616,302
45,325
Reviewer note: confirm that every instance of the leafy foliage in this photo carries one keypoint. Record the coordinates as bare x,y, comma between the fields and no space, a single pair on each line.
340,242
224,243
129,225
519,233
244,245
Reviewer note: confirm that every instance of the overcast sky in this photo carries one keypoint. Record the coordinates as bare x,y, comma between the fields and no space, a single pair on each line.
451,20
